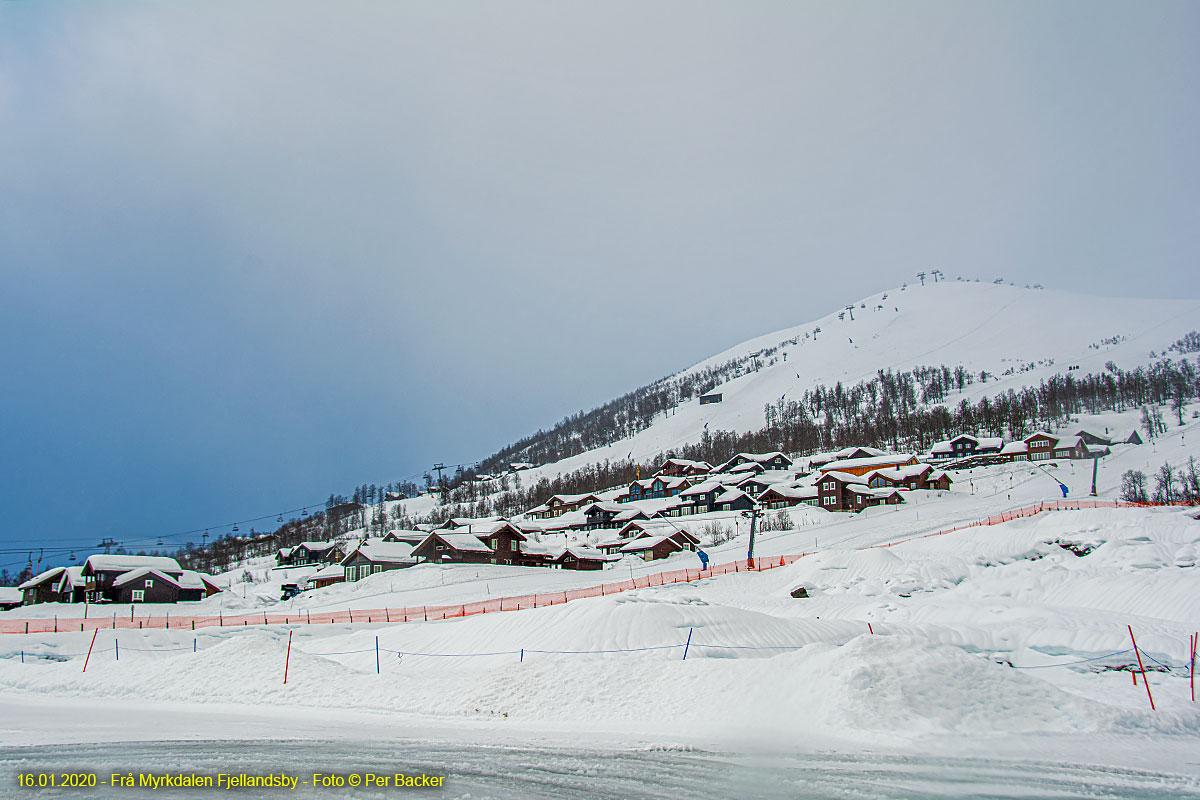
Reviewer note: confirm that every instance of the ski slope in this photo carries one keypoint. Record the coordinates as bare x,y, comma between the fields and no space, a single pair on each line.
979,326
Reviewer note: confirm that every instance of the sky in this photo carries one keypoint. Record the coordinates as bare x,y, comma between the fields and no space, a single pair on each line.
254,253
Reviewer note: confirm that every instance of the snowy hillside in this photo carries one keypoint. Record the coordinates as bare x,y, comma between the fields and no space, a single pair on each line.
980,326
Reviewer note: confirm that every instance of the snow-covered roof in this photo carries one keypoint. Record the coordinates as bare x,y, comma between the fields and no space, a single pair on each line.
687,464
849,452
10,595
1014,447
1068,442
195,580
582,552
463,522
868,461
317,547
615,508
791,491
990,443
644,543
868,491
111,563
900,473
1042,434
844,477
327,572
400,533
144,572
711,484
462,541
71,577
376,550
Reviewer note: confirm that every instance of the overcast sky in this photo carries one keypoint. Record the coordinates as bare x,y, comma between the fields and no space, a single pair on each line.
257,252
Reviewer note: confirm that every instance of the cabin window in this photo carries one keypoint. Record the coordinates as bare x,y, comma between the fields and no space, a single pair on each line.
149,584
828,486
138,595
350,573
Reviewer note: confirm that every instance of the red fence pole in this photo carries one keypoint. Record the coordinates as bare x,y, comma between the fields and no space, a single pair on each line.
1142,667
288,658
1192,671
90,646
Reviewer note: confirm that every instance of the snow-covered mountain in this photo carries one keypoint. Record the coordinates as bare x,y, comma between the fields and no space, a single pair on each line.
1018,336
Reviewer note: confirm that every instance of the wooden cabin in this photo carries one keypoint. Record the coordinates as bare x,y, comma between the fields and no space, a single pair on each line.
861,466
774,460
784,495
376,555
1041,446
100,573
195,586
582,558
145,585
446,547
683,468
43,587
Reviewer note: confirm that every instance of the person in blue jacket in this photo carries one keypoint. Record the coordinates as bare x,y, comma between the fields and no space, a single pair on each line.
703,558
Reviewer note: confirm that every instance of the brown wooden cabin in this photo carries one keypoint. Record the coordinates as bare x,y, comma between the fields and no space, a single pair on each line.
683,468
145,585
860,497
560,504
408,537
861,466
774,460
1041,446
659,544
582,558
194,586
452,547
1070,447
43,587
101,572
783,496
376,555
832,490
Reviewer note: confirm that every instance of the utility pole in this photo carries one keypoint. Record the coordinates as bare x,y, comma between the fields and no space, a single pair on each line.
851,310
107,544
439,467
753,527
1095,469
921,275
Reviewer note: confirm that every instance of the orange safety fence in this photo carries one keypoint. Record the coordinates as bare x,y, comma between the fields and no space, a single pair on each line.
119,621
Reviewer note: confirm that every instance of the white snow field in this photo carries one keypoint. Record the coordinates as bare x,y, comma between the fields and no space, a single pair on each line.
957,692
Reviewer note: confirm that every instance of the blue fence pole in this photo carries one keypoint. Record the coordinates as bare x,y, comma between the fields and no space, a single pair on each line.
376,655
687,644
522,655
116,650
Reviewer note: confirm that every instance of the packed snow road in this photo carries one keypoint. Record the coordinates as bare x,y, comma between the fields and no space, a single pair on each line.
503,772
